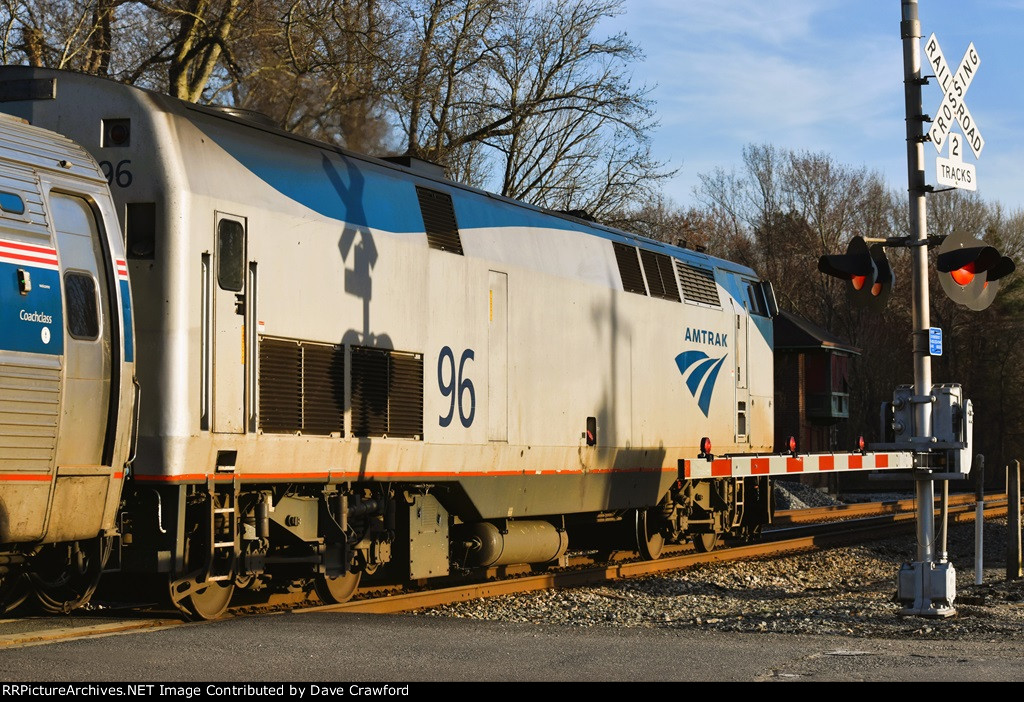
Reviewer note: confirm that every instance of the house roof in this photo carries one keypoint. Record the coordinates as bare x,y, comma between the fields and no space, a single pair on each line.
794,333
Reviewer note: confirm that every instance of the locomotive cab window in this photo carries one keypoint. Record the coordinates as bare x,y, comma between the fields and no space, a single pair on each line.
82,309
230,255
755,303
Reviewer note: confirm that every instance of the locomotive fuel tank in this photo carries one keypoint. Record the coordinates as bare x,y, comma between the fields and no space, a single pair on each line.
516,541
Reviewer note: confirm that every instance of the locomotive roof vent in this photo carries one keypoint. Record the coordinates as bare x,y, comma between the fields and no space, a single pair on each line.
242,113
418,165
578,214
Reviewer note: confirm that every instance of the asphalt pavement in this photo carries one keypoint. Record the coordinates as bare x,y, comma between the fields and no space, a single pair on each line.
340,651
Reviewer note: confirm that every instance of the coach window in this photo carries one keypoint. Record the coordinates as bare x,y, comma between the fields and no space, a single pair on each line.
231,255
80,300
11,202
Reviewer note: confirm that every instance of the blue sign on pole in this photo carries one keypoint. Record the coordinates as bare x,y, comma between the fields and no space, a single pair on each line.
934,341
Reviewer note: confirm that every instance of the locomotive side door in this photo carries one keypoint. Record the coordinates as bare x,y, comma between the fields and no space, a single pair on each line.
87,338
742,367
497,357
229,304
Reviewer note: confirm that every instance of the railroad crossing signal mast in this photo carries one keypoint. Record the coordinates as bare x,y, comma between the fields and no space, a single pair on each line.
941,417
933,422
932,585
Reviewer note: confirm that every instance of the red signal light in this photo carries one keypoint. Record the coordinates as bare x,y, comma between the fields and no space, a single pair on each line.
860,443
870,275
972,265
792,444
963,276
705,445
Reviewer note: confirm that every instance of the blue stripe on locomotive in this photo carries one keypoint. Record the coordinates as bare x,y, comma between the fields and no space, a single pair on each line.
19,330
350,193
126,314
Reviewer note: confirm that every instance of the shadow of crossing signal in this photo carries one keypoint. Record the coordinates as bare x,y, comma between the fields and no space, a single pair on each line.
969,270
868,271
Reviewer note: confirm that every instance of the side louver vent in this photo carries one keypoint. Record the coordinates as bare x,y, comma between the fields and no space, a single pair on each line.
439,220
302,387
660,278
698,284
629,268
29,411
323,389
387,393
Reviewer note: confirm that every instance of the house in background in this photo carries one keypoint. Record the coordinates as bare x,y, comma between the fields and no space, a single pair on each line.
812,393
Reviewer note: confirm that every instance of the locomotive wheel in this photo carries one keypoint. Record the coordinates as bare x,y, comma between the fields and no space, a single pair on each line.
211,600
649,539
705,543
336,590
65,575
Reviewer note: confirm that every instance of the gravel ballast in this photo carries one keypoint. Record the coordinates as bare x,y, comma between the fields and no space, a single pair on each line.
847,591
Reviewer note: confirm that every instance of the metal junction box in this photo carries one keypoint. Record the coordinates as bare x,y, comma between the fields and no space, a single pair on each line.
953,422
934,583
952,427
428,538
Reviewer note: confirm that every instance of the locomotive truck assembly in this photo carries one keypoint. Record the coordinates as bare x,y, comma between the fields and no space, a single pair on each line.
232,357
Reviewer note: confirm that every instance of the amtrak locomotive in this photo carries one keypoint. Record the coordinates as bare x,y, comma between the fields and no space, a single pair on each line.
329,364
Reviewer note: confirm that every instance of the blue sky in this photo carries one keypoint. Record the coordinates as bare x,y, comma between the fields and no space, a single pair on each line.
822,76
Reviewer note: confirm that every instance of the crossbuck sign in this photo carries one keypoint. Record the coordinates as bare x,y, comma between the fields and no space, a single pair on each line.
954,88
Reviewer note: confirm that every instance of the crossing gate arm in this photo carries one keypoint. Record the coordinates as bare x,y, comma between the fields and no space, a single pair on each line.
787,464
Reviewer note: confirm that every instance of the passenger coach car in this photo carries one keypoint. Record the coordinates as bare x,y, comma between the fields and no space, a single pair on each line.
66,368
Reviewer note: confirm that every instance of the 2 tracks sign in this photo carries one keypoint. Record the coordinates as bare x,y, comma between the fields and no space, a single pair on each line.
952,171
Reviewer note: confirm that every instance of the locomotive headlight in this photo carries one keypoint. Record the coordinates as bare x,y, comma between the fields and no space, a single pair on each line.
116,132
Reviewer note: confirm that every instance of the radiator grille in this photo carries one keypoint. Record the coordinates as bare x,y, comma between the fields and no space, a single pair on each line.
387,393
660,278
698,284
439,220
29,409
302,387
323,389
629,268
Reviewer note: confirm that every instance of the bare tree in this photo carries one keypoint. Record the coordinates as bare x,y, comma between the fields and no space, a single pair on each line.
75,34
319,68
664,220
527,87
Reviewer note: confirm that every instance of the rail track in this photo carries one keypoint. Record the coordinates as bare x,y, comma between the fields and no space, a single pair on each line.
792,531
795,530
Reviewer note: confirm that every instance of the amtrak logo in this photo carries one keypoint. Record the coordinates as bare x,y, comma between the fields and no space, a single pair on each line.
701,369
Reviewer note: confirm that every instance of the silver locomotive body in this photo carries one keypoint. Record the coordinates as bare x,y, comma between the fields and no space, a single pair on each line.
66,368
347,362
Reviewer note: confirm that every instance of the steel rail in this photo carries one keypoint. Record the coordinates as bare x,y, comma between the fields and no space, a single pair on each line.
848,532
